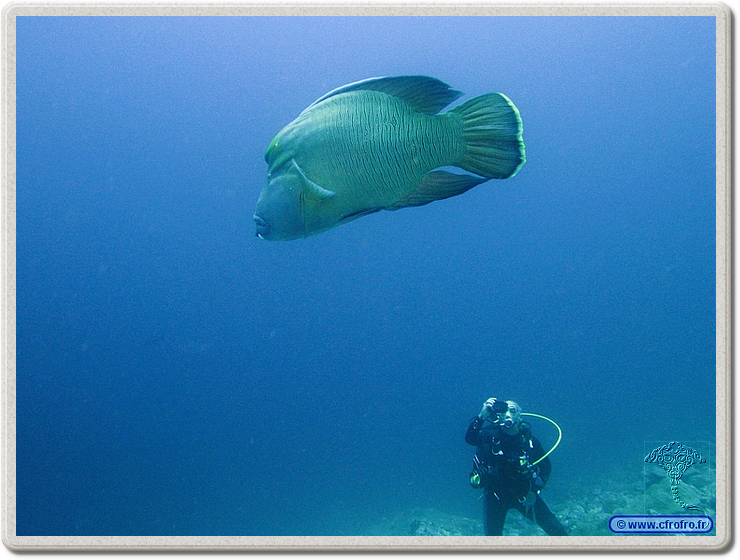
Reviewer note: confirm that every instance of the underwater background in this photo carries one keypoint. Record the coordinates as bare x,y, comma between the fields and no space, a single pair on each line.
177,375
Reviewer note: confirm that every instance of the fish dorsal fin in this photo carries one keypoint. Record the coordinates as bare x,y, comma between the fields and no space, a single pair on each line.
422,93
312,189
438,185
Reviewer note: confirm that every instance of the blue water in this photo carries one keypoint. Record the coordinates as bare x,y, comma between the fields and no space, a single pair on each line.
177,375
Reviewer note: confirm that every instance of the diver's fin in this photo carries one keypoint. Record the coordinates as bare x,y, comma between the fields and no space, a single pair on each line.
492,133
422,93
438,185
312,189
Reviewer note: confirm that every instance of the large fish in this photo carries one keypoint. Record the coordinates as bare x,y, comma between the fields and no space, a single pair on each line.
374,145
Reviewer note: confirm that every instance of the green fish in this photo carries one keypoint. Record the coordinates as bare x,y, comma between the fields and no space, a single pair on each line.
377,145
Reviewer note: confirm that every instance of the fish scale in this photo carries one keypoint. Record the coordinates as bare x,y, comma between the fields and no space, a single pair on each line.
378,157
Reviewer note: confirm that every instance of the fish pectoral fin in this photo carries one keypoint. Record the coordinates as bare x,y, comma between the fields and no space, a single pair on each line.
422,93
438,185
311,188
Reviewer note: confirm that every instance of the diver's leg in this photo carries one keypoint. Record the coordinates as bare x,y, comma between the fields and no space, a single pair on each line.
547,520
495,515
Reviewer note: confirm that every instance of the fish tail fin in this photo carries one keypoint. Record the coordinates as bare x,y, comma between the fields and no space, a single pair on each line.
492,134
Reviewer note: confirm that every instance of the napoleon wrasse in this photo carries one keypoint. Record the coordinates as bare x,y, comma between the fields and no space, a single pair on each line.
377,145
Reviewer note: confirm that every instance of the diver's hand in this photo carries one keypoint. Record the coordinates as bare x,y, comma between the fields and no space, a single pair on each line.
487,409
529,500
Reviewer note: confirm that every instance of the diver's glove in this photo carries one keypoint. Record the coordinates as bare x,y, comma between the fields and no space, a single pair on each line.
487,409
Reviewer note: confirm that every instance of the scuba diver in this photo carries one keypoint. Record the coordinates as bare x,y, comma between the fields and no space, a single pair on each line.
511,466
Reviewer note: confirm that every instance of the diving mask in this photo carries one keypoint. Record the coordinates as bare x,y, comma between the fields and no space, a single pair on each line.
511,418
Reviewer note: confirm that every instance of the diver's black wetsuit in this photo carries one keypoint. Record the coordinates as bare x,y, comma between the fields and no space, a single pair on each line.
507,476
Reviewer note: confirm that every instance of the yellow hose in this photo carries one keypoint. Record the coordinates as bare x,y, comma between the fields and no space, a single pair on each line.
560,433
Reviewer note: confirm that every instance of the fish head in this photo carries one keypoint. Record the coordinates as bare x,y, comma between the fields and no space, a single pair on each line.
291,205
278,215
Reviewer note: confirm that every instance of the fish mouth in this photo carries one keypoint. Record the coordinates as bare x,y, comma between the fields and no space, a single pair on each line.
262,227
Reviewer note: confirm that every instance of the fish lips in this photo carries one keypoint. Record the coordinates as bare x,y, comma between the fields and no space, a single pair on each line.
262,228
278,215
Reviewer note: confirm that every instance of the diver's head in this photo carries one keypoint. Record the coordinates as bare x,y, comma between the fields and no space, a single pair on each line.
511,420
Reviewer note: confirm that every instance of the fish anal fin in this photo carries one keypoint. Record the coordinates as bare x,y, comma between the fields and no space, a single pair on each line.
358,214
438,185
